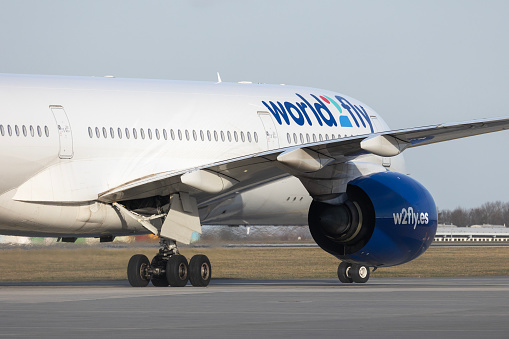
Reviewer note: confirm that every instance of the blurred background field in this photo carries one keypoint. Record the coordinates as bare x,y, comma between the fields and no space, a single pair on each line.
45,259
101,262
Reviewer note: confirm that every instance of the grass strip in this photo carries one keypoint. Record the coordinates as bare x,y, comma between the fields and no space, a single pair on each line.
87,264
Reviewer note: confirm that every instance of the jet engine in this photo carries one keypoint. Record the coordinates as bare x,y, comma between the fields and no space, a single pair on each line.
387,219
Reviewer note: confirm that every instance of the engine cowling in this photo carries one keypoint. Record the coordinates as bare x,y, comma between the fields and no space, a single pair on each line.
388,219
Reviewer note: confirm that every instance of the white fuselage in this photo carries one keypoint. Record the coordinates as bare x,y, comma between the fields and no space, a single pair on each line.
65,140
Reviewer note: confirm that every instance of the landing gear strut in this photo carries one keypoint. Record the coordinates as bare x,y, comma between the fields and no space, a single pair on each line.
168,267
348,273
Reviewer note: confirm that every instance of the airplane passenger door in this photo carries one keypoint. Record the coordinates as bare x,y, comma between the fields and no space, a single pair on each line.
64,132
270,130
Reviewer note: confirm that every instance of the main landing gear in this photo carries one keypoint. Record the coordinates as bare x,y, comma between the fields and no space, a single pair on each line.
168,267
348,273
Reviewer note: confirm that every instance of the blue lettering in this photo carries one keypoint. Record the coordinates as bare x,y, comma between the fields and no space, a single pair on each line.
298,119
362,112
346,105
312,109
278,112
344,121
303,107
320,106
298,112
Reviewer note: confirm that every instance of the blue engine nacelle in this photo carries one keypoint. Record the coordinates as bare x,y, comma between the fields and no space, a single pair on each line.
388,219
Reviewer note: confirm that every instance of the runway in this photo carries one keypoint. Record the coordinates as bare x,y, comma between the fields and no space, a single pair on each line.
382,308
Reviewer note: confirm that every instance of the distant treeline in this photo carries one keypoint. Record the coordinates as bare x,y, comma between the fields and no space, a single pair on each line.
492,213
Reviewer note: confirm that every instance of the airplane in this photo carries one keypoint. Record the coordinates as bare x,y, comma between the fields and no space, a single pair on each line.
105,157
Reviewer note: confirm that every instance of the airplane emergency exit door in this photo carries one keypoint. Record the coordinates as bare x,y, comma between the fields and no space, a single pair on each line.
64,132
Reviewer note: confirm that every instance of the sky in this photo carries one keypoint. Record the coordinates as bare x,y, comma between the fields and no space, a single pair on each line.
415,63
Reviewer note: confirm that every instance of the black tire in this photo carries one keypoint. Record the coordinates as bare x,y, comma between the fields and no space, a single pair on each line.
359,273
200,270
344,270
159,280
136,270
177,271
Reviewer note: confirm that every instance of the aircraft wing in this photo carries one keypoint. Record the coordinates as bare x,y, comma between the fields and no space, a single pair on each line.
218,180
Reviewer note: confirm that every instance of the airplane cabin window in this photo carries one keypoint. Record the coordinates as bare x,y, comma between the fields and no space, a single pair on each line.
2,131
320,136
307,138
172,133
105,134
187,134
135,134
295,137
332,137
142,133
255,137
326,136
314,137
289,138
301,138
202,136
165,134
180,135
40,133
158,136
112,133
16,128
215,135
222,136
119,132
97,133
249,136
46,130
90,133
229,136
242,137
149,132
236,136
127,135
194,135
209,136
24,129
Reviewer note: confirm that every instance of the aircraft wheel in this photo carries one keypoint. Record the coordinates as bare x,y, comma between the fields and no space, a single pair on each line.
344,270
136,271
160,280
200,270
359,273
177,271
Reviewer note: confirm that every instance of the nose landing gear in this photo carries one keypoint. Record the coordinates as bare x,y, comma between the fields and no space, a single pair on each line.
348,273
168,267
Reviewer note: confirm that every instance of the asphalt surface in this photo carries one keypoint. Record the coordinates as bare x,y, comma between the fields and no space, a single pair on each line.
382,308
